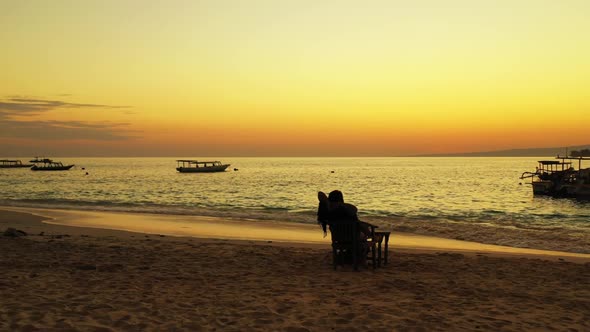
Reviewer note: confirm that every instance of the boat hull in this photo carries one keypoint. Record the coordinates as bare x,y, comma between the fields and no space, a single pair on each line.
55,168
17,166
548,188
543,187
579,191
209,169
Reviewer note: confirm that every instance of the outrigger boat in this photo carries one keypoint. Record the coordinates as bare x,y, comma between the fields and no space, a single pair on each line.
5,163
558,178
50,165
194,166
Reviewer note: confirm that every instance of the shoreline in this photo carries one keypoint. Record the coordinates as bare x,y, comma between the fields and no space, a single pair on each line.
515,233
264,231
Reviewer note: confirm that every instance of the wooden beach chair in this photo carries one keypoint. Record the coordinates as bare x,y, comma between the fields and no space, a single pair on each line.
347,247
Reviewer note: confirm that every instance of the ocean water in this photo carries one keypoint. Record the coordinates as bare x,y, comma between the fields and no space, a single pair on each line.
476,199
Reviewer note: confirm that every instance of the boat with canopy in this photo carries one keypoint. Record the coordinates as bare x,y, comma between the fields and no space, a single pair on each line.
194,166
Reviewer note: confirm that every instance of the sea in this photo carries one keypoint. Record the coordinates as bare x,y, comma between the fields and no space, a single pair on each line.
477,199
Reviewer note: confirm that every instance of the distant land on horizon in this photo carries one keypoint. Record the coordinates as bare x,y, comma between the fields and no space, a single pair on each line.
522,152
527,152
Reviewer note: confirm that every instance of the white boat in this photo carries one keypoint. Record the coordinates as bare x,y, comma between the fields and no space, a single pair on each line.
194,166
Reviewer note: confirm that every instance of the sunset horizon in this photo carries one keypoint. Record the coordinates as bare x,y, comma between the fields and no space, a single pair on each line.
295,165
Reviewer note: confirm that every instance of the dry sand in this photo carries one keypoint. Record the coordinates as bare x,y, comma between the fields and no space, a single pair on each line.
72,278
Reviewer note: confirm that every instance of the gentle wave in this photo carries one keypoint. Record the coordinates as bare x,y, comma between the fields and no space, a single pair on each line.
511,233
494,218
250,214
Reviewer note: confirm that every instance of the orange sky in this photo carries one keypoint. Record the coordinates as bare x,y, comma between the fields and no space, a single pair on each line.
292,78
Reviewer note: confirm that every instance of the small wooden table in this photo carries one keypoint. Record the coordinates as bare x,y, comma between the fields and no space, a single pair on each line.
382,235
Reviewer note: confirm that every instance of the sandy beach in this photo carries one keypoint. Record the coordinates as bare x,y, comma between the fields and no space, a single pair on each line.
269,276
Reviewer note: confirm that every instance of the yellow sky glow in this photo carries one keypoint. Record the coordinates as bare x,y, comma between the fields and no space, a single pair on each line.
303,78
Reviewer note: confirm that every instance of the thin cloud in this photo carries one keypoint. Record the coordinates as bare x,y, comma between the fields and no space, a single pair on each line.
30,106
66,130
81,124
57,130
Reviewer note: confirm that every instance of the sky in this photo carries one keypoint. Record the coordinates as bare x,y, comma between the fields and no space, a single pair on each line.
292,78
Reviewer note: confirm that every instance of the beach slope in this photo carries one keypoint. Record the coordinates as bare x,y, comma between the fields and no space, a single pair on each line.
60,277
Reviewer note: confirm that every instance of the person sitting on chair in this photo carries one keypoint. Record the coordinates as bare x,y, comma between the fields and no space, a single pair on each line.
332,210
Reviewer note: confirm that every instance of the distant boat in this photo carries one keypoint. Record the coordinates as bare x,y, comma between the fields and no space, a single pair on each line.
5,163
194,166
558,178
50,165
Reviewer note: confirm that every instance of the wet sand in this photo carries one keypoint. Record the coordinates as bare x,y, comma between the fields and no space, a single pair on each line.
260,230
270,276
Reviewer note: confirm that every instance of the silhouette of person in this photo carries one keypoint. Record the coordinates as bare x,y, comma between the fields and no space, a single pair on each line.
332,209
323,211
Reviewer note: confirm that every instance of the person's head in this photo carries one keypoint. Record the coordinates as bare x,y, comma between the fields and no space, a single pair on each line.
336,196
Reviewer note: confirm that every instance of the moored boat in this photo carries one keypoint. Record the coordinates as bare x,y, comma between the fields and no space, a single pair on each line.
559,178
194,166
5,163
50,165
